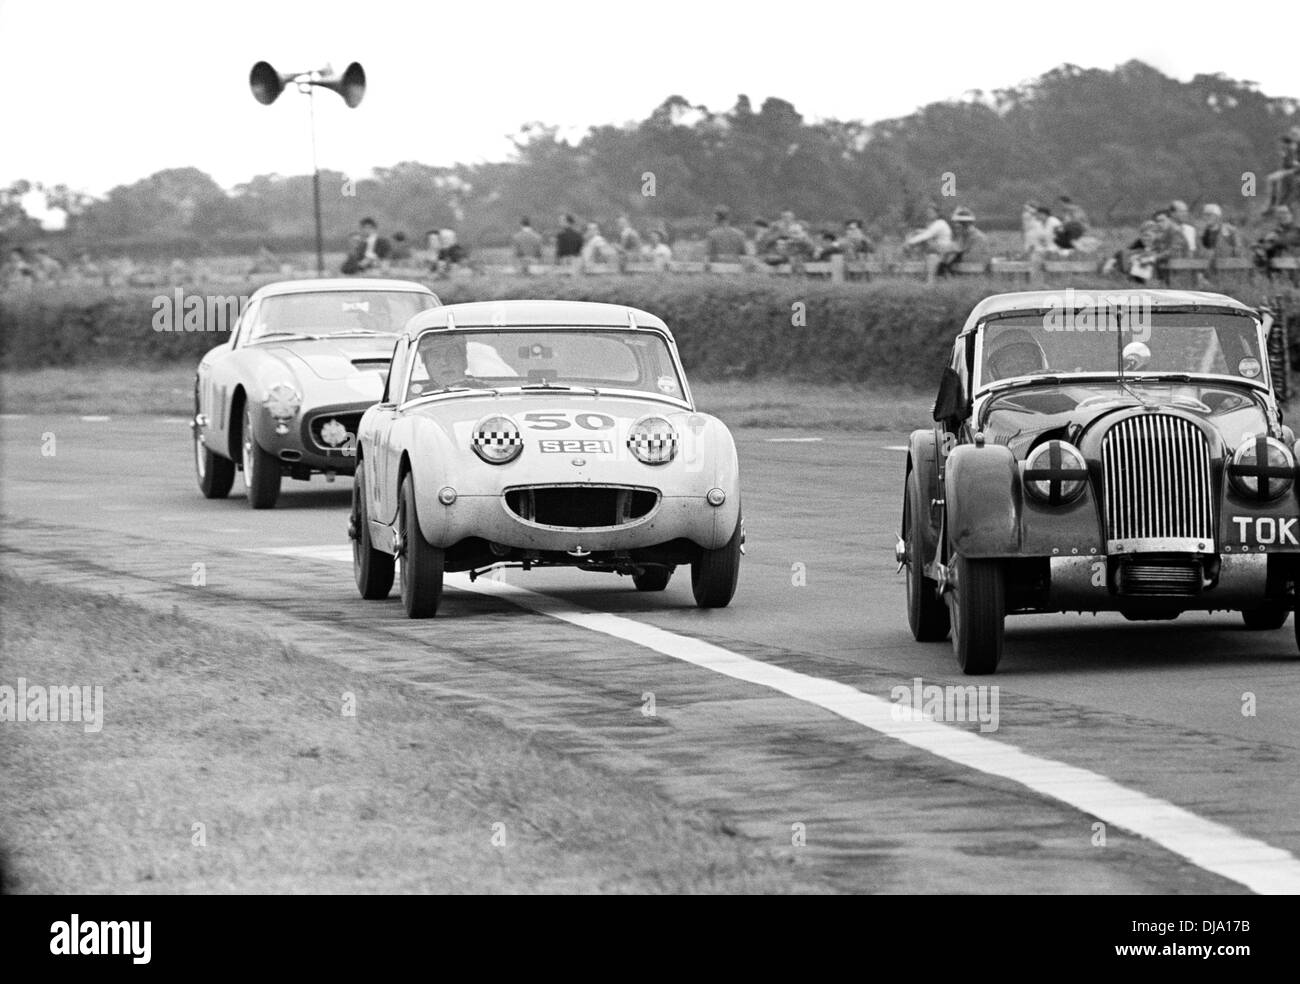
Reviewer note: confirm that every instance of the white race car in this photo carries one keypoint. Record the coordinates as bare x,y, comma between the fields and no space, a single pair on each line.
541,433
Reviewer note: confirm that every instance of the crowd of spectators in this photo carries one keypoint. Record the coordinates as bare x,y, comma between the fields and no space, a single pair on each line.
948,245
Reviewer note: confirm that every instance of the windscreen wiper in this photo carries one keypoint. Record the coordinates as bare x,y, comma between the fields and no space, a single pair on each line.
548,385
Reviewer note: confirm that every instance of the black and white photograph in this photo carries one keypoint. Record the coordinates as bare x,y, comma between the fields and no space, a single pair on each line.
660,448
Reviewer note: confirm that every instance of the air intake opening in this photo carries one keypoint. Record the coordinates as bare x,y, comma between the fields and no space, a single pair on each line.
581,506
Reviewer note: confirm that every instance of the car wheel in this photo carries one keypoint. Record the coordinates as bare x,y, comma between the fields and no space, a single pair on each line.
419,562
1266,617
977,599
715,572
653,578
261,470
927,612
372,568
215,474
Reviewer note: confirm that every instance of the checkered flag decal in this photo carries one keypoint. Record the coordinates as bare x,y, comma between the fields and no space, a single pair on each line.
498,439
655,445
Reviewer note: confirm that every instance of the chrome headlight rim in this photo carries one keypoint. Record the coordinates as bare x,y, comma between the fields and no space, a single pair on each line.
494,443
1244,475
1055,473
283,401
658,447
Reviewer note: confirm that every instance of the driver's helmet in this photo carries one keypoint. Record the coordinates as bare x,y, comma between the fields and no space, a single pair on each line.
1013,352
444,359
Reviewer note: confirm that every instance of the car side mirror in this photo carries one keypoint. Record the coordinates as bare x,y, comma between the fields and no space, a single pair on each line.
950,408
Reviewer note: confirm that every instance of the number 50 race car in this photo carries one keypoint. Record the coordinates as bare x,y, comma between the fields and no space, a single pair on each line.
541,433
1119,452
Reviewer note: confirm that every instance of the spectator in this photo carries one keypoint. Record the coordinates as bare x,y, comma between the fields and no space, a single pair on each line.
1138,260
527,243
568,241
629,240
1282,240
1074,224
1051,227
724,241
400,251
969,244
766,243
368,251
854,241
661,253
827,246
17,272
1172,240
935,239
450,253
1182,219
596,249
797,245
1218,238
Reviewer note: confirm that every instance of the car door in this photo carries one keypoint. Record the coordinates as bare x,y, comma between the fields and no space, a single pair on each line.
380,449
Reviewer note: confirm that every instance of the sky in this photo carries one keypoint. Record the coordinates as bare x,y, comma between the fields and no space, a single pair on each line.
112,92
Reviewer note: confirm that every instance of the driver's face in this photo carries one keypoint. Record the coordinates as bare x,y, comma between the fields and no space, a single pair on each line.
445,360
1017,360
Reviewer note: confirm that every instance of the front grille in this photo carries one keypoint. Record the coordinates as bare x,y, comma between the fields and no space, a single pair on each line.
580,507
349,422
1181,577
1156,479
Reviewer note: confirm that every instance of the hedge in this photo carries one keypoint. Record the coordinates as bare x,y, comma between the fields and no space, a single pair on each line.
726,327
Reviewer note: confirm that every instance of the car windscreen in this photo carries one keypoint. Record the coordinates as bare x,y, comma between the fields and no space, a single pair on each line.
1154,342
544,357
336,312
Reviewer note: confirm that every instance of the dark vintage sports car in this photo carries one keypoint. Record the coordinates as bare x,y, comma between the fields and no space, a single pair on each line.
1111,452
285,394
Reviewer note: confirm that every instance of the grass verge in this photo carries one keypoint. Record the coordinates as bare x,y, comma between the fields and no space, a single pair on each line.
233,730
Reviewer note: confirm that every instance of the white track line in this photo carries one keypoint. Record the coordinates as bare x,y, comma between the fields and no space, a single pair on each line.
1209,845
95,419
896,447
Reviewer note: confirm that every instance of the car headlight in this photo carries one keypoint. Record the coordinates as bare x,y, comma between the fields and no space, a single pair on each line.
1262,469
496,439
652,441
282,401
1056,473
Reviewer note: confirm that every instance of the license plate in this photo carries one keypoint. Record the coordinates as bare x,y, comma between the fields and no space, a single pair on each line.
576,447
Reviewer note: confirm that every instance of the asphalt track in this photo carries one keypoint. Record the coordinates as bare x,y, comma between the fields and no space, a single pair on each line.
773,712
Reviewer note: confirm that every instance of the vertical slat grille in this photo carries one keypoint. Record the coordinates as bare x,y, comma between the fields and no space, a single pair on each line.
1156,476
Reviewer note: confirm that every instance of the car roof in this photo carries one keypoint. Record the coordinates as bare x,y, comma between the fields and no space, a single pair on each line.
327,284
1037,301
535,314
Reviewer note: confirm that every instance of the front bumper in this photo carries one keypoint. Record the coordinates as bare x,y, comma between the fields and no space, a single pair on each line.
1227,583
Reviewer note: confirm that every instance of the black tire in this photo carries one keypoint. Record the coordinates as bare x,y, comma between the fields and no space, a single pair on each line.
714,573
1267,617
977,600
653,578
927,612
261,470
373,569
420,564
215,474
